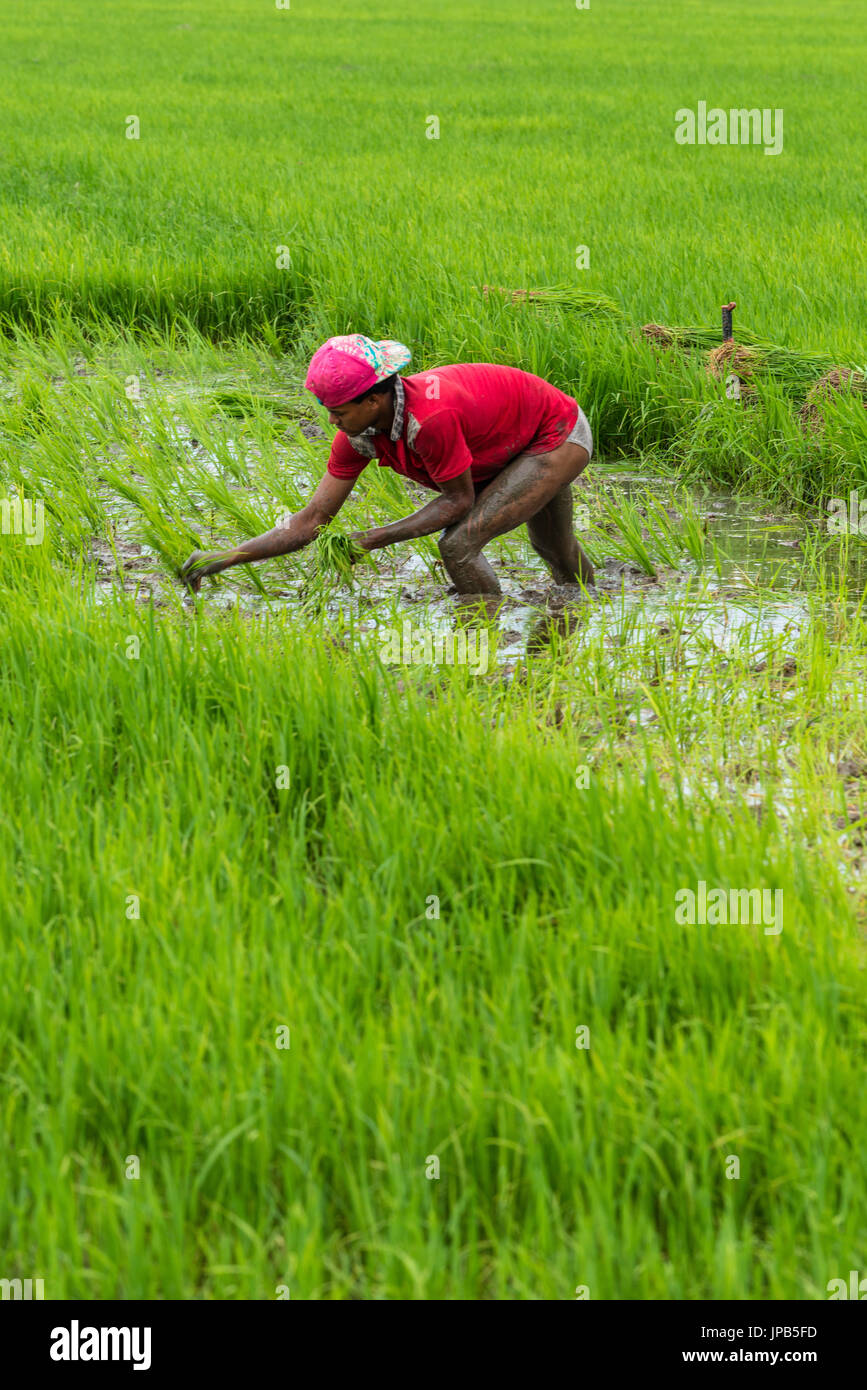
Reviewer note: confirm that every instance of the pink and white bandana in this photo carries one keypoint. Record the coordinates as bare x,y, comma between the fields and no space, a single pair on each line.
347,365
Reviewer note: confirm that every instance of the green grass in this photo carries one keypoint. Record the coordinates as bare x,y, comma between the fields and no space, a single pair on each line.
227,817
290,817
262,129
252,136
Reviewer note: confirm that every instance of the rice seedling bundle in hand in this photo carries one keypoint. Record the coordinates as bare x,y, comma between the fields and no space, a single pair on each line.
337,554
334,559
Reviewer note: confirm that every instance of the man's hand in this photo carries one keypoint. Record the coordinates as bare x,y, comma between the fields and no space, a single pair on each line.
202,563
367,540
292,533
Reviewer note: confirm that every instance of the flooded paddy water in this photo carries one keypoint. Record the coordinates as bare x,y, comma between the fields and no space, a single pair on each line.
704,604
697,621
752,583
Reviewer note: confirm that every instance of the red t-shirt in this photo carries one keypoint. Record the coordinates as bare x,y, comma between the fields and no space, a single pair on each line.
474,416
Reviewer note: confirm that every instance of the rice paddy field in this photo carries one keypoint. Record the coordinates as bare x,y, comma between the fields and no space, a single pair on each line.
328,976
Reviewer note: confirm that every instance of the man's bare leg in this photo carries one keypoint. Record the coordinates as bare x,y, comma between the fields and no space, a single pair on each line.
524,488
553,538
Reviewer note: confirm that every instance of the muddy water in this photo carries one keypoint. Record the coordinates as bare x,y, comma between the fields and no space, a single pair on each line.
754,586
752,593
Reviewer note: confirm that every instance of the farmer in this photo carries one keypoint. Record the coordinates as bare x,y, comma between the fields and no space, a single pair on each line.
497,446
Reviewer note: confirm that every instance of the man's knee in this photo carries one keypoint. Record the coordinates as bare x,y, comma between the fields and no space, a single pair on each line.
454,544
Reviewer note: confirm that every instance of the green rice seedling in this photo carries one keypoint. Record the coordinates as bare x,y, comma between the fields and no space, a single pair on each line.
335,557
628,539
170,535
693,528
664,537
233,503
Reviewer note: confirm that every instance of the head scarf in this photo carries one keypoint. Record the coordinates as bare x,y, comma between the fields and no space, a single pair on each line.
344,367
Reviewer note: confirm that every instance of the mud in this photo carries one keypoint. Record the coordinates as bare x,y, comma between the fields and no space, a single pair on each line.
755,586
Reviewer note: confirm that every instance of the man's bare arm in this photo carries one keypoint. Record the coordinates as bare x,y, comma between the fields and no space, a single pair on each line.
451,505
291,534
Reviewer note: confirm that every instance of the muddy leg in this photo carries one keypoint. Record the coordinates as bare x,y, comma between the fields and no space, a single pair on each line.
554,540
524,487
465,565
479,592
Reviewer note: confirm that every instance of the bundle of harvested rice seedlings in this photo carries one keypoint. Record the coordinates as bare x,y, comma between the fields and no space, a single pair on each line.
658,335
734,363
838,381
700,337
336,554
791,367
334,559
560,297
239,402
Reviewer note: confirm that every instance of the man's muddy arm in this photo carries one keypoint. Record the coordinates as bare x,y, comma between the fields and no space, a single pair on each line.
451,505
292,533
